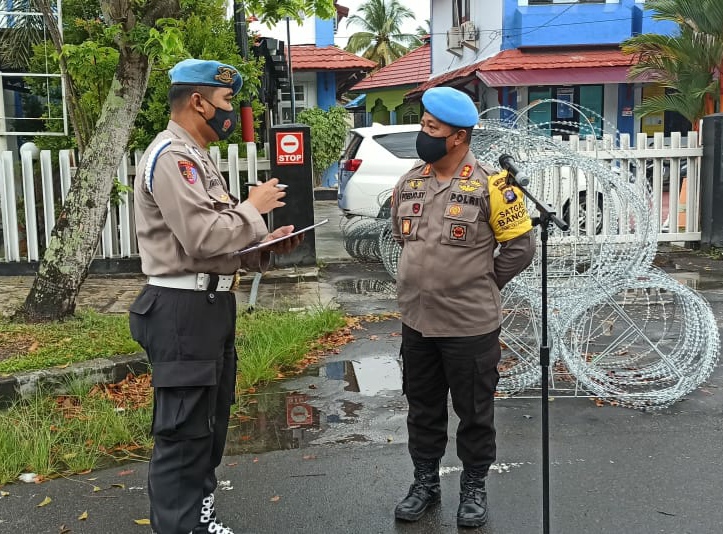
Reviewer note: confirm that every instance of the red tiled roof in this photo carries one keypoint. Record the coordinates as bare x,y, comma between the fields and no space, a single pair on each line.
553,59
462,72
311,57
412,68
533,60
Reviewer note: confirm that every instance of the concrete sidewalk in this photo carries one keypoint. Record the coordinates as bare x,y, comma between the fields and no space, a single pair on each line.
114,293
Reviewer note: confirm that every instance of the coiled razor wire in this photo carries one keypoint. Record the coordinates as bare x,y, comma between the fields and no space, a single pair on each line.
625,331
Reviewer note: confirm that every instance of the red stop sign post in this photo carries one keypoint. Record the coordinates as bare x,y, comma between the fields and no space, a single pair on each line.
291,164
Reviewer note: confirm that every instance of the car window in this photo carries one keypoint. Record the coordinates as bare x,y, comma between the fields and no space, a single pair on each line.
401,144
352,146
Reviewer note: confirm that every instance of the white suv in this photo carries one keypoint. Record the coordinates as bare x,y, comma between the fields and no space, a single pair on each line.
373,160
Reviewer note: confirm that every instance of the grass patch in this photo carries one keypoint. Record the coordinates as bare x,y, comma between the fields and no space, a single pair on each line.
51,435
88,335
269,343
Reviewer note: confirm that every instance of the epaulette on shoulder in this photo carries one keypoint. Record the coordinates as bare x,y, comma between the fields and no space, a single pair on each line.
487,168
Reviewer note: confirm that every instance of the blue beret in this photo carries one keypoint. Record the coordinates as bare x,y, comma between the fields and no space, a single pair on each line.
450,106
205,72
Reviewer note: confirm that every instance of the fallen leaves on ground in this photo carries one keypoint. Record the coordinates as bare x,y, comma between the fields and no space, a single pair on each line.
45,502
83,516
275,498
133,392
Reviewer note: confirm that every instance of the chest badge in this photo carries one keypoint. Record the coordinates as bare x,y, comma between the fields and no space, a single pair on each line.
427,168
469,186
466,171
458,232
415,183
455,210
416,207
509,195
406,226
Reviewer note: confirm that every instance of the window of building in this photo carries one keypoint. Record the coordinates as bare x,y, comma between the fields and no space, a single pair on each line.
559,118
300,102
460,12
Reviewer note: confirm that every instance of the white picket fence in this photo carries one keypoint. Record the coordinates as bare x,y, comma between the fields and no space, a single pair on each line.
30,192
37,187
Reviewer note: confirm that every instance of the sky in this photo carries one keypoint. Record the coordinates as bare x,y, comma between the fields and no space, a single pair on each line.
419,7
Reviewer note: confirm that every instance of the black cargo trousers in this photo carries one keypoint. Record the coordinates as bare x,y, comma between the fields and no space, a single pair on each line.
189,338
466,368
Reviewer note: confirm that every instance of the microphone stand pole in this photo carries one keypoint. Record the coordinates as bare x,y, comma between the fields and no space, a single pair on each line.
546,216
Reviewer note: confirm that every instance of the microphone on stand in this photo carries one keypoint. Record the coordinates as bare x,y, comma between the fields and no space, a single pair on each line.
514,175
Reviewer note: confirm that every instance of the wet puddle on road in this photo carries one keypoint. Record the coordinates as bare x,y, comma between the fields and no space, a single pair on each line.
291,414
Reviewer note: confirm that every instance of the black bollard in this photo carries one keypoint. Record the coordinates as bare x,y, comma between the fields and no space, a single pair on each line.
711,186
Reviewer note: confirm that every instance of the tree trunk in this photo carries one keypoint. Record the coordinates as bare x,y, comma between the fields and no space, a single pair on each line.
74,240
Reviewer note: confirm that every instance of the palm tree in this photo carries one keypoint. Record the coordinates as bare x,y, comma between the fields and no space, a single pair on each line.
381,38
20,34
425,30
690,63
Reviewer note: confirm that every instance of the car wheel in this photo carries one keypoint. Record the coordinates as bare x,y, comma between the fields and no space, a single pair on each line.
385,212
582,214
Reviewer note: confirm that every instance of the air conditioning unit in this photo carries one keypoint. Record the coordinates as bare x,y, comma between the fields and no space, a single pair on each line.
454,41
469,35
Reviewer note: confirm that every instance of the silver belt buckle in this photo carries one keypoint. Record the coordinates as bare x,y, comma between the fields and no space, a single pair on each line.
202,280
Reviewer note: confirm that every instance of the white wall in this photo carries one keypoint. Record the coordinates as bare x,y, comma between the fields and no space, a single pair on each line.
487,16
300,34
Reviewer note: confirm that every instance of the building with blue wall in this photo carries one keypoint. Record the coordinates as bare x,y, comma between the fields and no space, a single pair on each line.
545,50
584,27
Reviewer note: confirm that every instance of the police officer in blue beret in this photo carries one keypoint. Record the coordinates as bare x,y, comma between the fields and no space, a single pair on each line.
450,214
188,226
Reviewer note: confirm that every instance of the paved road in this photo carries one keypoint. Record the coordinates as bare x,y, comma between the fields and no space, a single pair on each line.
613,471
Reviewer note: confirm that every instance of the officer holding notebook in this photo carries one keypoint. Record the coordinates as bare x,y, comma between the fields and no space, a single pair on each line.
188,227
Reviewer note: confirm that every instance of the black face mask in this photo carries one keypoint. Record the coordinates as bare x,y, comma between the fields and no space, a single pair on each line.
431,149
223,121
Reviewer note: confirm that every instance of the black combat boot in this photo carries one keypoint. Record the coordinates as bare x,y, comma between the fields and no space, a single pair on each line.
472,511
423,493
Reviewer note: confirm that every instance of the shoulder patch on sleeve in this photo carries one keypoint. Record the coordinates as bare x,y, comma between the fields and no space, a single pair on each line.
188,170
508,215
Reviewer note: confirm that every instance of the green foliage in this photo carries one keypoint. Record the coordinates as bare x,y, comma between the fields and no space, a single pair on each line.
205,35
328,134
202,31
688,63
271,12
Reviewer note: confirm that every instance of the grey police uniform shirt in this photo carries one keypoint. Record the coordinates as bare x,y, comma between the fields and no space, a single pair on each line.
186,219
448,279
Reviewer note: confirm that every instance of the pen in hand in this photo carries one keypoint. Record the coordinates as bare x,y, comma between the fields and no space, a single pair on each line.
278,186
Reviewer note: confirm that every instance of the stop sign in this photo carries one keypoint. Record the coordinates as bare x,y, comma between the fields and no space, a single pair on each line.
289,148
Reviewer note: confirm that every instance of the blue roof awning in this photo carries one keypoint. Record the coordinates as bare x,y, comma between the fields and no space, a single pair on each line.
357,102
